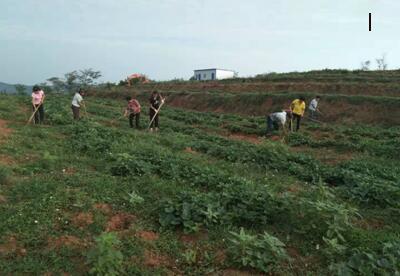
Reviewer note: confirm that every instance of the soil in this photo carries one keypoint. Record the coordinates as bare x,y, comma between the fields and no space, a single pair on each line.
3,199
295,188
69,171
190,150
220,257
4,130
153,259
103,207
245,137
12,247
148,235
6,160
82,220
235,272
120,222
193,238
66,241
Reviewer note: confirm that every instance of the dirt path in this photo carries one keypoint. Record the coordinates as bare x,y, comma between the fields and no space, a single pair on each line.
4,130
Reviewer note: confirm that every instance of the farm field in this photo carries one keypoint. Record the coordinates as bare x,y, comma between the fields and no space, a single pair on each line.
206,195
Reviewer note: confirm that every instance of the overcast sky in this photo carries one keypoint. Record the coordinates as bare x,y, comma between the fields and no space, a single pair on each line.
169,38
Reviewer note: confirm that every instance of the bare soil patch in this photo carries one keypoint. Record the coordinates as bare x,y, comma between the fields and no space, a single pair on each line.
12,247
69,171
245,137
103,207
82,220
148,235
190,150
120,222
193,238
153,259
6,160
4,130
3,199
66,241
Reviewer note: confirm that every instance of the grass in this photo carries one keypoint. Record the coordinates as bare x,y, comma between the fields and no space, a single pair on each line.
176,199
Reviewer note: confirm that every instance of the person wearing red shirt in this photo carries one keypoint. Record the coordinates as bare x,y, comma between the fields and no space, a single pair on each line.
133,111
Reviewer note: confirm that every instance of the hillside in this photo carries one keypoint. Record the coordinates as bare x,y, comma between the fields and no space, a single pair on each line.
339,82
348,97
207,195
10,88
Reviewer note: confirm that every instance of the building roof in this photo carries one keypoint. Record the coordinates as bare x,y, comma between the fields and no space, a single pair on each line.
214,69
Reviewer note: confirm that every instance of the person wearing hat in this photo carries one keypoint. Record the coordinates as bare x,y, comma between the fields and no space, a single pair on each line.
76,104
37,104
297,108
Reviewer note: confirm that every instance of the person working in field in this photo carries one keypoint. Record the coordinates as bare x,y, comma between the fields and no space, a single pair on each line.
313,107
155,102
133,111
297,108
37,104
277,119
76,104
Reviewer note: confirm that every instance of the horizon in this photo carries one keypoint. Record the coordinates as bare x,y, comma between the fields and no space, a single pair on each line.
171,38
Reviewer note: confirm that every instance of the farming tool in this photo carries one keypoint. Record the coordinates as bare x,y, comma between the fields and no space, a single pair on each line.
157,111
33,114
84,109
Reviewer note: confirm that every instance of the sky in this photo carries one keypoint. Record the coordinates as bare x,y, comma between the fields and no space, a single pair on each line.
168,39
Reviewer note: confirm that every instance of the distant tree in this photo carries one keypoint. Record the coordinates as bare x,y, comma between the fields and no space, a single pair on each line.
21,89
71,80
88,77
122,83
57,84
45,87
365,65
75,79
381,62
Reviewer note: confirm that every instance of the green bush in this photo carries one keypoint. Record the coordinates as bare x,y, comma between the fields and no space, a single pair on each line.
263,252
385,262
105,258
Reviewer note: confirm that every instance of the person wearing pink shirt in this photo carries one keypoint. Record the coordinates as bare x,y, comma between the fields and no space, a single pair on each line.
37,104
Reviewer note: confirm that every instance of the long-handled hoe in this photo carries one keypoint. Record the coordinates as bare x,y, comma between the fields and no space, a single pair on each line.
157,111
33,114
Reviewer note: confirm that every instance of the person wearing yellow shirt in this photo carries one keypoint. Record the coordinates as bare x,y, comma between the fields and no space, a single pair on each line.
297,107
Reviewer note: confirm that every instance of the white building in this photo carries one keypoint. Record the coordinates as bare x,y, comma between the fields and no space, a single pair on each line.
213,74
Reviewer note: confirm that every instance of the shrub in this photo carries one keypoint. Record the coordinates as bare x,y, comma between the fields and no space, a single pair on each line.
105,259
263,252
385,262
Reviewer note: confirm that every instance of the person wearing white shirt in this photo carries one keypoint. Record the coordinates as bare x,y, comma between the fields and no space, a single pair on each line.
277,119
77,101
313,107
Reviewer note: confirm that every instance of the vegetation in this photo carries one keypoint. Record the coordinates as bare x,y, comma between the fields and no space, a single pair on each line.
206,194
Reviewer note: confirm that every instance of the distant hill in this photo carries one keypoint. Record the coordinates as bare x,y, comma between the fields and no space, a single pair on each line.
10,88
